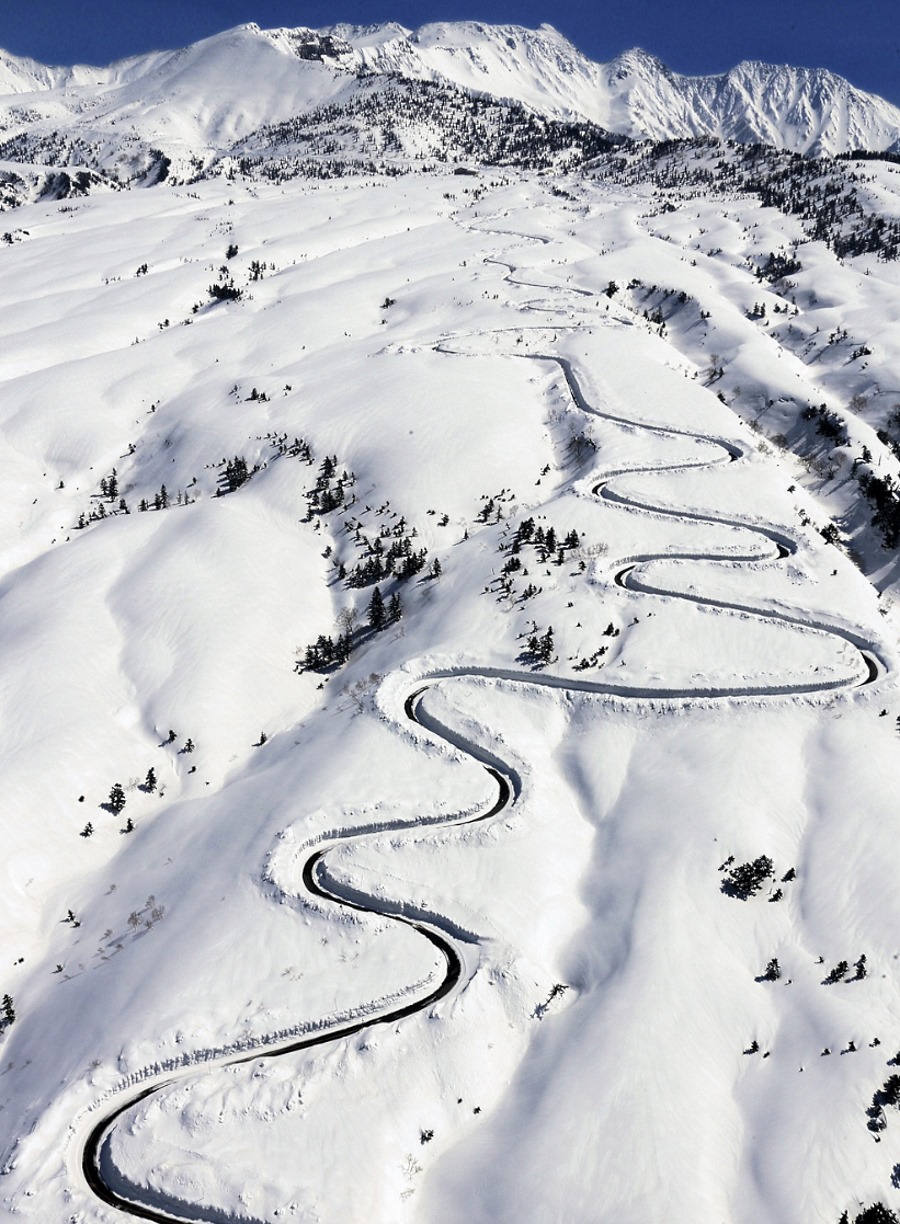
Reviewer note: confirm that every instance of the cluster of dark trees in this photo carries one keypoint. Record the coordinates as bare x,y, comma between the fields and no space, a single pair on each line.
746,879
778,266
823,191
328,653
109,490
298,448
548,547
883,495
162,501
589,661
235,473
842,968
329,491
415,122
545,542
540,648
887,1094
399,560
224,291
828,424
391,554
388,556
876,1214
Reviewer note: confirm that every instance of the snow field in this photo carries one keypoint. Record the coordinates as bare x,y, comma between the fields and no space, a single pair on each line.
607,996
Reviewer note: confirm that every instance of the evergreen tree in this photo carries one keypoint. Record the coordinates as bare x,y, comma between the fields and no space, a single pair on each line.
9,1011
116,798
376,615
837,974
150,783
877,1214
773,971
748,878
545,646
395,607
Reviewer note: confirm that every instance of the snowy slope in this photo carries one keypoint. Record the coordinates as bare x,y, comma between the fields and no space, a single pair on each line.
533,993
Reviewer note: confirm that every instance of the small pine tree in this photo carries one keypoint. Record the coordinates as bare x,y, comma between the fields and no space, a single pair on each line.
545,646
436,568
116,798
376,614
9,1011
188,745
890,1093
87,830
837,973
395,607
150,783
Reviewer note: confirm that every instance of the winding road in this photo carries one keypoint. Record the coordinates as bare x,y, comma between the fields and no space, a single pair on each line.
95,1159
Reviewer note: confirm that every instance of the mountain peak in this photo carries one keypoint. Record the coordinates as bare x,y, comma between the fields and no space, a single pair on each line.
220,89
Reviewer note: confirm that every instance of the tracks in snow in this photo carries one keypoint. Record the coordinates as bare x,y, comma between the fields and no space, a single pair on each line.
95,1161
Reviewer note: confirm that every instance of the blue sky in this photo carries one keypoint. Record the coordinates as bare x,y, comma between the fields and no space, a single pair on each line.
860,39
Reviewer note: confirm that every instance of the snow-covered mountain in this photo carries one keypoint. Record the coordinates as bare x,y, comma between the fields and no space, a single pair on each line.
804,110
194,104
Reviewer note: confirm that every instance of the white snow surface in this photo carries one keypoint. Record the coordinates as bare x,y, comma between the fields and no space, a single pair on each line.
609,1054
